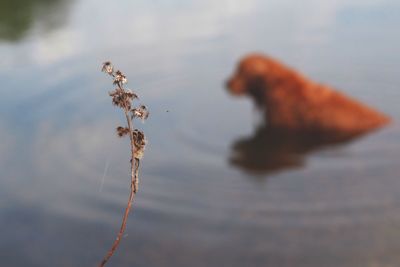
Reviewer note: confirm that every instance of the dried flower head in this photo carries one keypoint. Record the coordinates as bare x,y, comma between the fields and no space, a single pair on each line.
107,67
140,112
120,78
130,94
122,131
122,98
140,141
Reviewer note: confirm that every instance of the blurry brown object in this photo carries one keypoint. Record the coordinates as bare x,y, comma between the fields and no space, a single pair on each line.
294,103
270,150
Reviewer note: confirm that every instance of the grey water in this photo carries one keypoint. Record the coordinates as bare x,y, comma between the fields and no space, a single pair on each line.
209,195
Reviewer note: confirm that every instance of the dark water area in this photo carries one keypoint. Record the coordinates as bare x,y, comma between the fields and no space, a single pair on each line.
216,188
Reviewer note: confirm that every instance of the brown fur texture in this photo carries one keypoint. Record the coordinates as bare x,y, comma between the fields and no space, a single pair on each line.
296,104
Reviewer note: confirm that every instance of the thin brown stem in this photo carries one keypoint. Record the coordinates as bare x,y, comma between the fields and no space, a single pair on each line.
121,231
134,179
137,161
130,127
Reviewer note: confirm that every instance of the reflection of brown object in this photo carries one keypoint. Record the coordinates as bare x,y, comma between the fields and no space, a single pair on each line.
271,150
295,103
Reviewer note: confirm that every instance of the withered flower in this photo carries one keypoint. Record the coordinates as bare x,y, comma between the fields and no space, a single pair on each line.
119,77
107,67
131,95
117,97
140,112
140,141
122,98
122,131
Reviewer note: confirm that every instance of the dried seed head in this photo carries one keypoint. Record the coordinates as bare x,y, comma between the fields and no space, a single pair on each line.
107,67
122,98
139,141
129,94
119,78
122,131
140,112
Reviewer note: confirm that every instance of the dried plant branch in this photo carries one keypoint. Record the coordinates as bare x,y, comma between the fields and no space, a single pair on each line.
123,98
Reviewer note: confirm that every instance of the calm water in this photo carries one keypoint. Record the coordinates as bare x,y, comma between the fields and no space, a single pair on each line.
210,194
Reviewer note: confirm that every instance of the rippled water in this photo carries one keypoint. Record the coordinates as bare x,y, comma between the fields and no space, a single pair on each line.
210,194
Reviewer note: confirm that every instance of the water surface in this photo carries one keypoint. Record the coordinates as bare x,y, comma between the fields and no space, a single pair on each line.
65,175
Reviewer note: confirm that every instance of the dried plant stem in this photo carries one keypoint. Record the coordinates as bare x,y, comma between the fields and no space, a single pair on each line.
123,98
134,166
134,183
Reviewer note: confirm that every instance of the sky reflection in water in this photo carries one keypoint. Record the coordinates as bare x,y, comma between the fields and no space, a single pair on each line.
338,208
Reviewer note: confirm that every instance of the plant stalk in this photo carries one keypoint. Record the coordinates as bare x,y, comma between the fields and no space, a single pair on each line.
134,180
